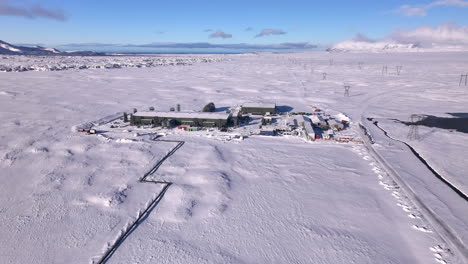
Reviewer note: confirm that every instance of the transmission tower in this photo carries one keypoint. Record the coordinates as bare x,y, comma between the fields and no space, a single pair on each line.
398,69
331,61
346,90
324,75
463,77
413,133
384,70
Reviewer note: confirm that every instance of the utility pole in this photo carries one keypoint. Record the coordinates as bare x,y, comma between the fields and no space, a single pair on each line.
384,70
346,90
398,69
463,77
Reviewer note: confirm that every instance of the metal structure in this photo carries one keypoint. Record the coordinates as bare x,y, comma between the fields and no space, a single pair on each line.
384,70
398,69
324,75
331,61
346,90
463,77
413,133
360,65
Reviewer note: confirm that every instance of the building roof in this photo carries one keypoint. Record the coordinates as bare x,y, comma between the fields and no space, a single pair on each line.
299,118
259,105
308,127
333,122
316,119
200,115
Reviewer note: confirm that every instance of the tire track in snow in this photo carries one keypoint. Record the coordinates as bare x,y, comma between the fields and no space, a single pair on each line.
444,231
143,215
436,174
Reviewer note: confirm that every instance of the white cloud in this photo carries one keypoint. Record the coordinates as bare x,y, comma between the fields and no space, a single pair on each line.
443,35
35,11
270,31
220,34
412,11
459,3
421,10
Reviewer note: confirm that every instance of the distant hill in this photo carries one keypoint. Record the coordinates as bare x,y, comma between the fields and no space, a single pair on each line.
9,49
374,47
361,45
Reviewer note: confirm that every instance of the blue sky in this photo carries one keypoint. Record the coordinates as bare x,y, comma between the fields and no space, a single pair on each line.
55,22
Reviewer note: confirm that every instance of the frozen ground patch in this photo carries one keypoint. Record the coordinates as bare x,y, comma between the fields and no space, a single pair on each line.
255,201
287,210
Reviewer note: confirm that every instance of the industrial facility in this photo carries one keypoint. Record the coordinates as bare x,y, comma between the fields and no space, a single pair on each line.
258,108
172,119
242,121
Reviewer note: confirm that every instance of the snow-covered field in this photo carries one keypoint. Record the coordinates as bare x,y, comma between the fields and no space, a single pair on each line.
67,196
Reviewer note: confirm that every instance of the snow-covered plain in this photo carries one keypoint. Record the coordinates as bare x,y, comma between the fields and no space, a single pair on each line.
67,196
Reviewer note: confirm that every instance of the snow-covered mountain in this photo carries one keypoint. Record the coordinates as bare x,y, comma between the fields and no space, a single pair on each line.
374,46
9,49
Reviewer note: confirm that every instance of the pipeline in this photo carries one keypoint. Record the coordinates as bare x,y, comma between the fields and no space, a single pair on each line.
143,215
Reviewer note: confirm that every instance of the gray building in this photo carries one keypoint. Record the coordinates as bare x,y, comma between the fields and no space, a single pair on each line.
335,124
172,119
318,121
258,108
